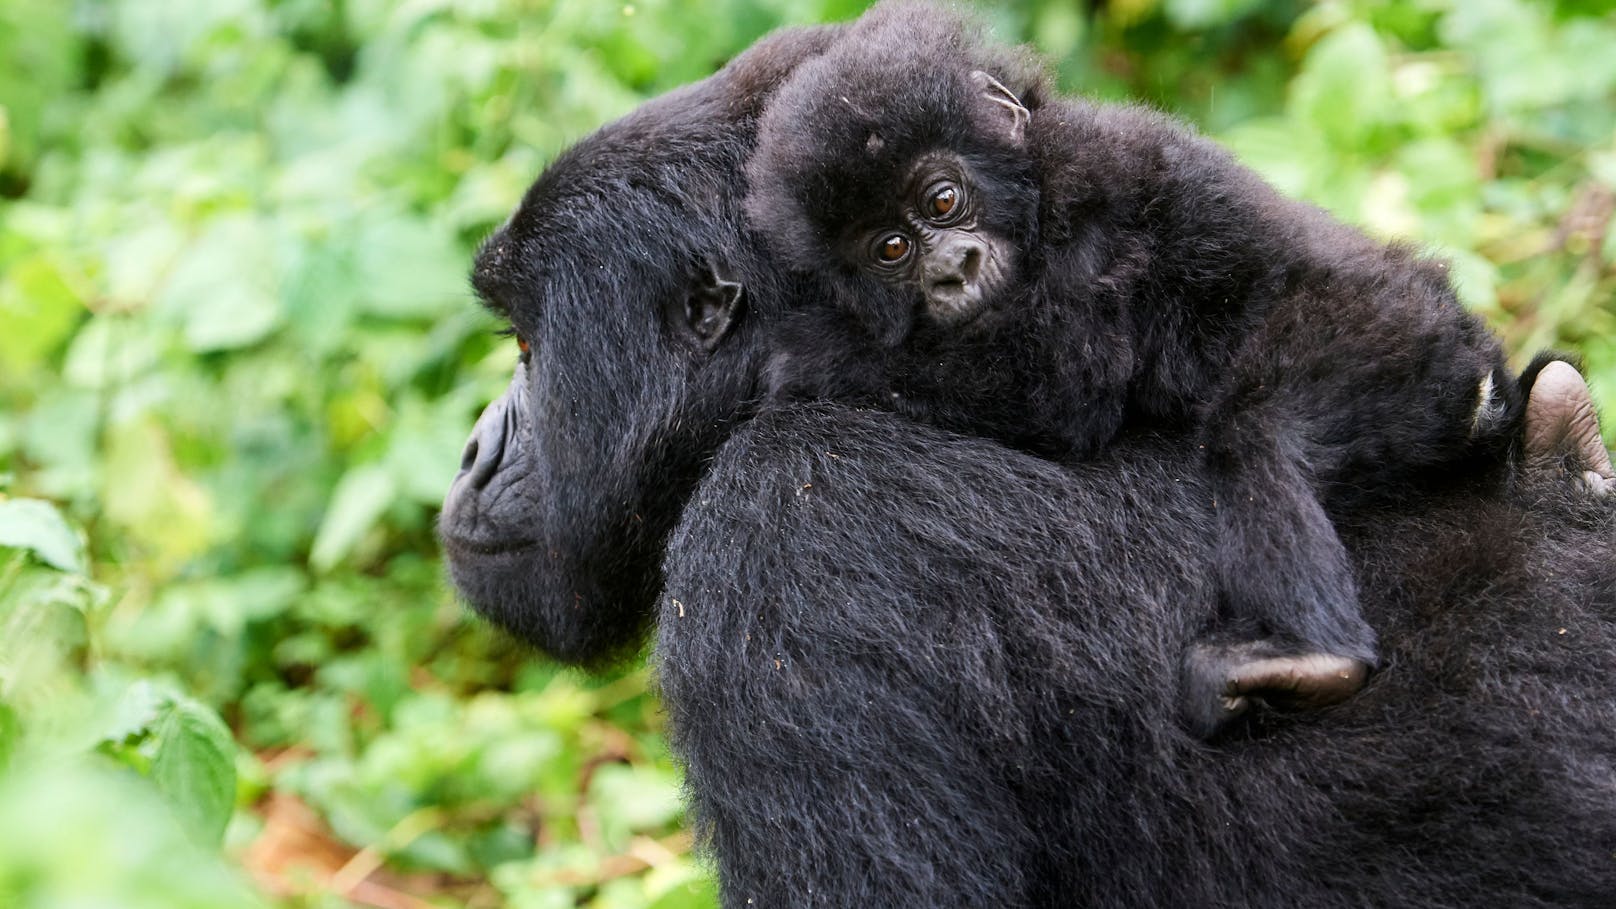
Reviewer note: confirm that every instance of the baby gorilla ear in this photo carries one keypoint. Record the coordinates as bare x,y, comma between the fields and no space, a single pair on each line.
707,311
1005,104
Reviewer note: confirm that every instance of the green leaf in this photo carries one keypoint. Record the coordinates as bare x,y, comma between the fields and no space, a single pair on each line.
1475,278
137,261
409,267
362,495
83,834
39,62
146,493
194,766
158,35
635,798
10,734
1060,28
680,885
1343,88
224,292
111,350
1285,154
134,712
1519,60
1197,14
38,309
37,526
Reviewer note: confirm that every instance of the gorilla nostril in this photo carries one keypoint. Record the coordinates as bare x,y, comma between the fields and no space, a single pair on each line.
971,264
485,465
485,451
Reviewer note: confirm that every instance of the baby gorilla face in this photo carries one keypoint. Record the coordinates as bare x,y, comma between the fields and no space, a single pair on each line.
936,243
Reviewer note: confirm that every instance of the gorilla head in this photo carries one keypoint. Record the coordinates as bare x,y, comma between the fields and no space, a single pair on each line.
620,272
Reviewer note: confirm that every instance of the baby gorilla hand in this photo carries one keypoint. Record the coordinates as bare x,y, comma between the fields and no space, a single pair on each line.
1222,679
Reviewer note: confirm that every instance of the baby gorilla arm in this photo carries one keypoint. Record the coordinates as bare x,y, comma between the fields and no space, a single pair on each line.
1296,636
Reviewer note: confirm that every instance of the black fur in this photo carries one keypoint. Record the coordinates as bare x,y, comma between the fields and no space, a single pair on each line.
976,649
889,657
1160,286
574,477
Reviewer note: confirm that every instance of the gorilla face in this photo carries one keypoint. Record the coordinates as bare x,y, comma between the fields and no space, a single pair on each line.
628,279
570,478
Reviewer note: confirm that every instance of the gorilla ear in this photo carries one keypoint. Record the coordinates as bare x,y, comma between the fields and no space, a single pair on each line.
707,311
1562,429
1005,103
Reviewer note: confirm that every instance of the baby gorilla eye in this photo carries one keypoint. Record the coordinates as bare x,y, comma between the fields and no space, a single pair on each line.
892,248
942,201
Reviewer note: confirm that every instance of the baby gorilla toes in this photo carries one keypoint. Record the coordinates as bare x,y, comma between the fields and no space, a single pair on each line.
1561,435
1221,680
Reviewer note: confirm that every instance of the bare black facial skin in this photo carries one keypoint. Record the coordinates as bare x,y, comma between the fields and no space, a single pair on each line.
939,246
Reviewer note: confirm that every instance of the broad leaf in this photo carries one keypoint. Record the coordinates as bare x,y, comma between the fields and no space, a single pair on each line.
194,764
37,526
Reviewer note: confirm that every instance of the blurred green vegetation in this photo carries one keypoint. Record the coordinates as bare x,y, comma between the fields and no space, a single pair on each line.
238,360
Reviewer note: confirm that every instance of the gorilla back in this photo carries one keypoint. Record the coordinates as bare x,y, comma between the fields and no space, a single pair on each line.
620,272
907,668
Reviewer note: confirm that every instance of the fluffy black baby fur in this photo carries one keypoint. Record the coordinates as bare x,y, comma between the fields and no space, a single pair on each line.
1125,275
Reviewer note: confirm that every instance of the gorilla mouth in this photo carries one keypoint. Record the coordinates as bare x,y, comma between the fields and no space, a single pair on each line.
492,547
953,302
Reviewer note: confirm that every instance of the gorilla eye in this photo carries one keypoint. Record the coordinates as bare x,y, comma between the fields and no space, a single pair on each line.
522,344
892,248
942,201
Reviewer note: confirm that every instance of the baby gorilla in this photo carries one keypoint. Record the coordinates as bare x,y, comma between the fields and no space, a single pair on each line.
1055,273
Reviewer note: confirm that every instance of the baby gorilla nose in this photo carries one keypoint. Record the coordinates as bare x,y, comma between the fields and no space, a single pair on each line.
971,264
954,260
953,269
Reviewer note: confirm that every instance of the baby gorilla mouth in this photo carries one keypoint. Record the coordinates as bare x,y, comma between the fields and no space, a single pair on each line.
951,300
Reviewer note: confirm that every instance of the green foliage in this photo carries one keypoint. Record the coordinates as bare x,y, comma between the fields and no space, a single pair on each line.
193,764
238,360
37,526
89,755
77,836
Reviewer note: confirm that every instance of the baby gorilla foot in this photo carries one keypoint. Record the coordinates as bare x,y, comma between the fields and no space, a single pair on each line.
1562,430
1222,679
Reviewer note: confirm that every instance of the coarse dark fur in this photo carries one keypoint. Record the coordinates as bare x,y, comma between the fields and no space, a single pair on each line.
972,705
572,479
889,656
1158,285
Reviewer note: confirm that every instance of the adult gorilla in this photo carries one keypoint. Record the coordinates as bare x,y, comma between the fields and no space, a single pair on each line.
912,669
